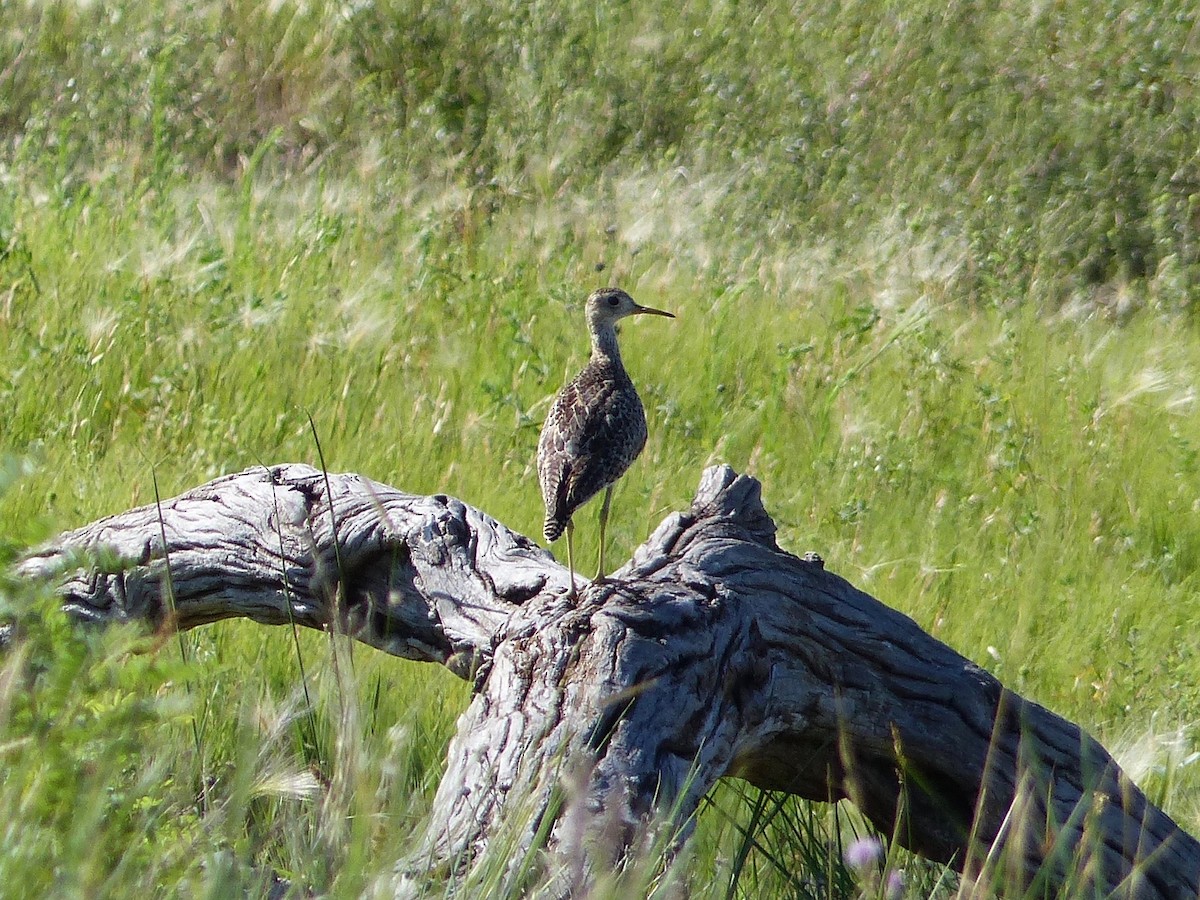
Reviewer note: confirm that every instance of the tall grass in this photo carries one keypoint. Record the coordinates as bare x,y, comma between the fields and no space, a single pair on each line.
934,268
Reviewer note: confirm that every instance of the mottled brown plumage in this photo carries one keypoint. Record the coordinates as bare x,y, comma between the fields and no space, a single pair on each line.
596,426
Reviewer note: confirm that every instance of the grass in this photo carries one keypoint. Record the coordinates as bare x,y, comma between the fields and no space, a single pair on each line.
934,268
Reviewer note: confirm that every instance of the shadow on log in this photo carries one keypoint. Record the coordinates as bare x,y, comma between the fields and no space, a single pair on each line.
711,654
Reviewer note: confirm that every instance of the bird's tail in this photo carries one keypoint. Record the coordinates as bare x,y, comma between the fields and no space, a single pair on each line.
554,528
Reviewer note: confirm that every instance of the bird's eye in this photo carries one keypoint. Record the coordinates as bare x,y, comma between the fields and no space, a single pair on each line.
614,301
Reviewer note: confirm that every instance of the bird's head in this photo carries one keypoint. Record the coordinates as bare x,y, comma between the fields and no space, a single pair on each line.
608,305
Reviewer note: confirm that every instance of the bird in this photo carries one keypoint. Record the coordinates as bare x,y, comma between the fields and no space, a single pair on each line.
596,426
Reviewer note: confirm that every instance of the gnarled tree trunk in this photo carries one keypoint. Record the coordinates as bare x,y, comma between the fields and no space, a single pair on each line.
711,654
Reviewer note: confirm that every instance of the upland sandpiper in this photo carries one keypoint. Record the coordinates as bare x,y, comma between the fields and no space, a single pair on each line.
596,426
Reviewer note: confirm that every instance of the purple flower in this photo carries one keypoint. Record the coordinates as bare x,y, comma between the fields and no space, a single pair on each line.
863,853
893,887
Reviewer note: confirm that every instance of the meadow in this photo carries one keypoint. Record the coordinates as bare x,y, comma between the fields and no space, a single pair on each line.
935,275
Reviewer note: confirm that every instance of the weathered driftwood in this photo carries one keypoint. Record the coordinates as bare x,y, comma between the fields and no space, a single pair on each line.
601,722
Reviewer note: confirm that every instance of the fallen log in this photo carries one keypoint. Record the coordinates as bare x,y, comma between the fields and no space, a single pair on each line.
712,653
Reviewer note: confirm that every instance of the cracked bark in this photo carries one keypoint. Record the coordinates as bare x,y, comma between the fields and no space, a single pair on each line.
712,653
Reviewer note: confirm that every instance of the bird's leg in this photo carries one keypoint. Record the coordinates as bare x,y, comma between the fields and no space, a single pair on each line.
571,557
604,525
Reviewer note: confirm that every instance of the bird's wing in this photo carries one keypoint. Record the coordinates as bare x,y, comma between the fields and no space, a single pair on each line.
612,433
558,444
595,428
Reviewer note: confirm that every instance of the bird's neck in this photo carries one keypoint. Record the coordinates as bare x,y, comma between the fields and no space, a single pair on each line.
604,344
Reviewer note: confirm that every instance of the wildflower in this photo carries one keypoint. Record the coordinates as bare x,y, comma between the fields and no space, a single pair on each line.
863,853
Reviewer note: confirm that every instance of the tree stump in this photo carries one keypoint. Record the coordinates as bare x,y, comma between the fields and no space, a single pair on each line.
598,725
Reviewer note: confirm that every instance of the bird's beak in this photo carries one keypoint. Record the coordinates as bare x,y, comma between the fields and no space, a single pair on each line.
653,312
